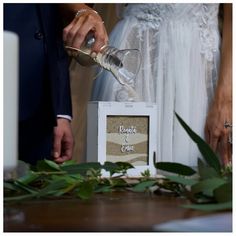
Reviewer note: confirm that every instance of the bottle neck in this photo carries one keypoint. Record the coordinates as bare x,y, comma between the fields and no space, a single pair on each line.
107,58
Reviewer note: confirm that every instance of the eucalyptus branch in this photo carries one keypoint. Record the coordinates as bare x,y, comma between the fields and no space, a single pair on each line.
20,197
48,173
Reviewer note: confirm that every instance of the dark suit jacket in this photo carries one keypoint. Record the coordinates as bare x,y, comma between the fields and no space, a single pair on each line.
44,74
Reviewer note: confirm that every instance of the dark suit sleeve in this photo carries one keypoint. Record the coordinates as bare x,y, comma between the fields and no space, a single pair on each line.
57,60
64,95
63,105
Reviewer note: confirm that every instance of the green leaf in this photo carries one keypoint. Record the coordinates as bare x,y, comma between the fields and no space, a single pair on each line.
70,187
182,180
206,172
20,190
118,182
77,177
209,156
207,185
52,164
210,207
11,186
81,168
110,167
124,165
47,165
71,183
53,187
117,167
25,187
68,163
28,178
68,179
20,198
146,173
176,168
103,189
143,186
223,193
86,190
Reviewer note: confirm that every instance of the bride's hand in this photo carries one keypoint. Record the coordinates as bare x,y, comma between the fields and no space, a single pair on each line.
218,132
85,20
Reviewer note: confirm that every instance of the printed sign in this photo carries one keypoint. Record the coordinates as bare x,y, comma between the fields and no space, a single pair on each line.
127,139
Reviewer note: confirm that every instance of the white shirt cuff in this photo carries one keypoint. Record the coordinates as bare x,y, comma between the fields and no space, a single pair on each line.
65,117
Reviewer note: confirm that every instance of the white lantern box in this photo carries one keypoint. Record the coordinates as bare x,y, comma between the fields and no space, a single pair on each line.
122,132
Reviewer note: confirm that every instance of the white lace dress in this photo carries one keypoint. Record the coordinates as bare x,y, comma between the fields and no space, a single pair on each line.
180,47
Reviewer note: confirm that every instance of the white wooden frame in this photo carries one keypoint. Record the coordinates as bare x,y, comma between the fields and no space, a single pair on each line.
97,113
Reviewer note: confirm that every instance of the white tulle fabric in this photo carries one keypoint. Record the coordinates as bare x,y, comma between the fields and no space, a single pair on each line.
180,48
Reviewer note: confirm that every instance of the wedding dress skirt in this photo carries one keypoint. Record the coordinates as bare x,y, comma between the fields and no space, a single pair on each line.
180,48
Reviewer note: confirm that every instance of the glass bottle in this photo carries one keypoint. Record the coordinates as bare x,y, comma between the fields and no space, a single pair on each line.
123,64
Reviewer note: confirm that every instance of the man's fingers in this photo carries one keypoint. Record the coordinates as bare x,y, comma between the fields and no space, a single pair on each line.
57,146
62,159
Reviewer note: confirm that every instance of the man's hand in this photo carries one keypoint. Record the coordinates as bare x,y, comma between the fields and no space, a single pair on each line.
63,141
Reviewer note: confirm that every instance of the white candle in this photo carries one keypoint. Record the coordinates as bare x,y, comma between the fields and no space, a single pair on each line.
10,96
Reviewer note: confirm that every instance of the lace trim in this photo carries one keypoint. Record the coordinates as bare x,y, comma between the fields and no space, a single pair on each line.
206,16
209,31
151,14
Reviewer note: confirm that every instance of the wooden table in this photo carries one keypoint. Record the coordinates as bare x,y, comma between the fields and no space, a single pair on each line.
117,212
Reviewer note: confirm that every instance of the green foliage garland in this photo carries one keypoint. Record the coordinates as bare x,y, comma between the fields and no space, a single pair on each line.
209,189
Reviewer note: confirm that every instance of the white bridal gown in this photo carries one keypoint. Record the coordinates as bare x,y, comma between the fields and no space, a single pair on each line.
180,48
